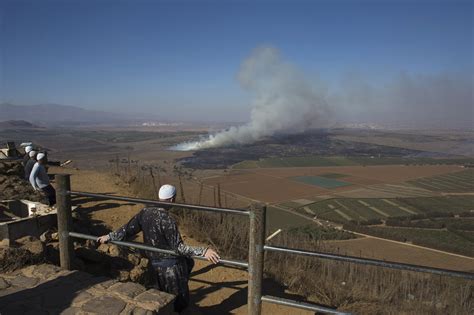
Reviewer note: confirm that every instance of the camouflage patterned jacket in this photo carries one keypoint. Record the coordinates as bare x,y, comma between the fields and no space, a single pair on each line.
159,230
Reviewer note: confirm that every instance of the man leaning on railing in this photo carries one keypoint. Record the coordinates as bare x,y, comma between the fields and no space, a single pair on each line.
160,230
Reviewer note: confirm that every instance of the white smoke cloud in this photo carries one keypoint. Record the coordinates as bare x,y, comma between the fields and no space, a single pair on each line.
283,101
439,100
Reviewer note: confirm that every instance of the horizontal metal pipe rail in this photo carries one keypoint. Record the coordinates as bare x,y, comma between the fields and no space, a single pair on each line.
160,203
302,305
154,249
374,262
266,298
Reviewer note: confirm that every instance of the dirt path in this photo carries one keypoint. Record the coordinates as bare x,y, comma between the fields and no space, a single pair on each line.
214,289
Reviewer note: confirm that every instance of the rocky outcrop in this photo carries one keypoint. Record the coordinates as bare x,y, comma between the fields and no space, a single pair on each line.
26,251
12,183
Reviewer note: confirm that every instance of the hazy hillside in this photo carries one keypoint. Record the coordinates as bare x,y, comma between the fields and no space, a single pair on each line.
17,124
54,113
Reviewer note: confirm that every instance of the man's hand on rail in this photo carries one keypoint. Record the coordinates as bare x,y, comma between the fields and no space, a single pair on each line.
103,239
212,255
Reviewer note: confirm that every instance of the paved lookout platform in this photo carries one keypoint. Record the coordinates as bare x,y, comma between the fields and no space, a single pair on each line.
47,289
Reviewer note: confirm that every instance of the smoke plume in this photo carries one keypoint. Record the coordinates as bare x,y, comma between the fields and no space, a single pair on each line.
438,101
283,102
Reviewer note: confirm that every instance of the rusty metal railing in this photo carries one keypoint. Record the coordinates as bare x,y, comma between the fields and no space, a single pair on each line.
257,247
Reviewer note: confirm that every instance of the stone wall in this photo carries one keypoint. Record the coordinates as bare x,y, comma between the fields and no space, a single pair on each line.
47,289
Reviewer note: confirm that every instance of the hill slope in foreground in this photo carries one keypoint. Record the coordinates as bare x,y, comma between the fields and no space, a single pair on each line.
214,289
219,290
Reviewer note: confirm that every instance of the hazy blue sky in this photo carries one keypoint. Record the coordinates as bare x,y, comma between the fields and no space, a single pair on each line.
181,58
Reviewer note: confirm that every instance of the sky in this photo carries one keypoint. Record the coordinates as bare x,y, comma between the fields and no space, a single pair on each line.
180,59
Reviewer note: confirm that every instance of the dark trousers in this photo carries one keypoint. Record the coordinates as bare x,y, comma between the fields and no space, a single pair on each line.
50,193
173,278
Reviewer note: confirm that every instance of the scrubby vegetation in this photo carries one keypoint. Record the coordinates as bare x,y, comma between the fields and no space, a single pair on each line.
355,288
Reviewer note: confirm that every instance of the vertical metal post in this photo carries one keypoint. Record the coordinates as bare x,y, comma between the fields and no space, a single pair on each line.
256,243
63,199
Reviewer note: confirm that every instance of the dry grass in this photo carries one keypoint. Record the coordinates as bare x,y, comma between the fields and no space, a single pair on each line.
349,287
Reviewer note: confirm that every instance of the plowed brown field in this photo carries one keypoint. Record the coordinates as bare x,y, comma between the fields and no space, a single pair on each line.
276,185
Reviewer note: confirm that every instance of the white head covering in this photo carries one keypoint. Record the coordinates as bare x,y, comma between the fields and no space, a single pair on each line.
40,156
166,192
28,149
32,153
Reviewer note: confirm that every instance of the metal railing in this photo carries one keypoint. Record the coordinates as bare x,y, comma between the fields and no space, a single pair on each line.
257,247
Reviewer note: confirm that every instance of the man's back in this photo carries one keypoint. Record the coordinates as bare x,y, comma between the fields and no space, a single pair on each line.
159,230
39,177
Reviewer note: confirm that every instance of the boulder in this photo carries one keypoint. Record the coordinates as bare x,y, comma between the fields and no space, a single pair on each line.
134,259
115,251
104,305
32,244
104,248
123,275
144,262
128,289
138,274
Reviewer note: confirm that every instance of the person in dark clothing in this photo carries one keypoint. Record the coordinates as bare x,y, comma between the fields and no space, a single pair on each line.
39,179
26,157
29,164
160,230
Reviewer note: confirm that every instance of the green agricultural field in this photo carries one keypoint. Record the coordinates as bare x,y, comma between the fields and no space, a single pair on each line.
317,233
391,207
318,161
333,175
333,217
455,182
309,161
362,210
358,209
445,204
320,181
365,209
469,235
460,224
438,239
289,205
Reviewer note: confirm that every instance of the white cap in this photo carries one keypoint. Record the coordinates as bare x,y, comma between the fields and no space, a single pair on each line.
28,149
32,153
40,156
166,192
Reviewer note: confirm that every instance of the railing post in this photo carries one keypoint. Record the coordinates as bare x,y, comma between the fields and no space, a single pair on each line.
256,243
63,199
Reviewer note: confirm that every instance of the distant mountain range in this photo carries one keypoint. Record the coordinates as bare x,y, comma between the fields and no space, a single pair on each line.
54,113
